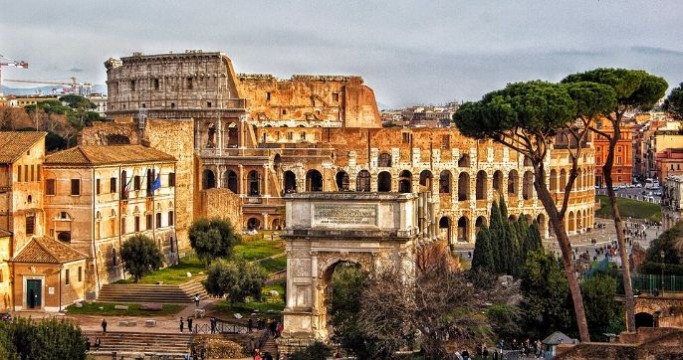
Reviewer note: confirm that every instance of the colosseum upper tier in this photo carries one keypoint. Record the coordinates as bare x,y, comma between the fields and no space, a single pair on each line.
262,137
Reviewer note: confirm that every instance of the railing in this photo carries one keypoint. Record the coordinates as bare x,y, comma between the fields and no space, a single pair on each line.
222,327
652,283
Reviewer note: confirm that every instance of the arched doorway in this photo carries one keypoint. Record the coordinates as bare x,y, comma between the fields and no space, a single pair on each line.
363,181
445,182
314,181
343,284
513,183
253,223
230,181
463,186
528,190
254,181
481,185
384,182
553,180
405,182
463,229
644,319
426,179
571,222
290,182
498,182
445,228
208,179
342,181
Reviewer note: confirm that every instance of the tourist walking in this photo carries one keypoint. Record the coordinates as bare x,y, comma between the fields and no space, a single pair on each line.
189,324
196,300
250,325
182,325
104,325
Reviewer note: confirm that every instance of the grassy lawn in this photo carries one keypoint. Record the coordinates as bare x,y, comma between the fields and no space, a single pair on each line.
172,275
276,303
257,248
133,310
275,265
630,208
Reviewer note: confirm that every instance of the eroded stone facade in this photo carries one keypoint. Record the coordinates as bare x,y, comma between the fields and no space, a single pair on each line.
262,138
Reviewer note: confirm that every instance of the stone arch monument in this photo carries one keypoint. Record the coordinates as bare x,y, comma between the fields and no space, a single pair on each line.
375,231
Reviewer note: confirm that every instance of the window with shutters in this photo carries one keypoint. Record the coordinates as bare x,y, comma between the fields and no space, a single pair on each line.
158,218
148,222
171,179
97,186
170,218
112,185
30,224
50,187
75,187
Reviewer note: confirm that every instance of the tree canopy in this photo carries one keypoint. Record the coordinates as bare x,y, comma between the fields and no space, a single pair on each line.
213,238
674,102
235,279
140,256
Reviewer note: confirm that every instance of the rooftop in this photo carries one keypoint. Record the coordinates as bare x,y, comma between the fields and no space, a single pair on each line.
107,154
45,250
14,143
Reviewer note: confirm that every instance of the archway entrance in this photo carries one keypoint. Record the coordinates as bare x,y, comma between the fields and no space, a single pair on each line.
314,181
644,319
343,287
290,182
445,229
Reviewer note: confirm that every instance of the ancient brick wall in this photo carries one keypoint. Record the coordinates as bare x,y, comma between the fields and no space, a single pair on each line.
224,204
328,101
175,137
192,80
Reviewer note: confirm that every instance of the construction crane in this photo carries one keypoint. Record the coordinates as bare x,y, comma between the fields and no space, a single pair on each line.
10,63
76,87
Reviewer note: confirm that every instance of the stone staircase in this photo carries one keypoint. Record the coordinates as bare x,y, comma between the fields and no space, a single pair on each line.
149,293
170,346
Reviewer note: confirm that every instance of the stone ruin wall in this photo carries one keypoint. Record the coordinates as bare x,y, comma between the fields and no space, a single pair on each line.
224,204
179,81
311,99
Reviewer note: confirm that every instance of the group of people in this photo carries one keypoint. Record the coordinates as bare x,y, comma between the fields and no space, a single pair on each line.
260,355
190,321
273,326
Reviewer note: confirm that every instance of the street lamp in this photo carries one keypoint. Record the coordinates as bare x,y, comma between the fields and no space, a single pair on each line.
661,254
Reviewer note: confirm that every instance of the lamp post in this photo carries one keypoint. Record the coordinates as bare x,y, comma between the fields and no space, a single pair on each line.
661,255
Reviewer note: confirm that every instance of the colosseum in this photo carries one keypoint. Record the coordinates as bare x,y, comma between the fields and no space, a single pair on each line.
262,138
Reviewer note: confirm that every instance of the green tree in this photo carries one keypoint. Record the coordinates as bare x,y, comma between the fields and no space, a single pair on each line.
348,283
609,94
674,102
526,117
545,306
505,320
235,279
604,314
482,258
213,238
533,240
44,340
140,256
499,244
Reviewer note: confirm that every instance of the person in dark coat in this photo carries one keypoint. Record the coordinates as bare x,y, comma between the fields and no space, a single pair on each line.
182,325
189,324
104,325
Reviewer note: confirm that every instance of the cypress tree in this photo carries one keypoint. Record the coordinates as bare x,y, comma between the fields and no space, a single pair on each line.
533,242
499,243
503,208
482,259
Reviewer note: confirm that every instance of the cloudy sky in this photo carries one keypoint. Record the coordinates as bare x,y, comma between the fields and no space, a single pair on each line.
408,51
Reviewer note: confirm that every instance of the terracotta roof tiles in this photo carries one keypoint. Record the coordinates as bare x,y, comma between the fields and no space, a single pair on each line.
107,154
15,143
45,250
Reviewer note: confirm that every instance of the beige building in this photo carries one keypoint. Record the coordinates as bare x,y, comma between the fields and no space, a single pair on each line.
96,197
47,275
5,278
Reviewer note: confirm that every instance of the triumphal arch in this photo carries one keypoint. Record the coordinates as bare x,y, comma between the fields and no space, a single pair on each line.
375,231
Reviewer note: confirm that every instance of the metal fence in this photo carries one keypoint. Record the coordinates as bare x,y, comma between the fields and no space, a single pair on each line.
652,283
